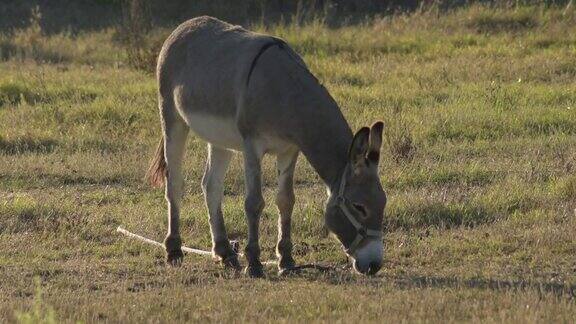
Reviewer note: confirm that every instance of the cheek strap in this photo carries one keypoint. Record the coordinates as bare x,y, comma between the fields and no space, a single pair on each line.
362,232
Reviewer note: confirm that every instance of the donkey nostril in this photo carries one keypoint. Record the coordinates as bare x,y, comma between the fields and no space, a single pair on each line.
373,268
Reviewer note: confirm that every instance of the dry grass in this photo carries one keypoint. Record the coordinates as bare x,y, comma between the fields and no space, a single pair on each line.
478,166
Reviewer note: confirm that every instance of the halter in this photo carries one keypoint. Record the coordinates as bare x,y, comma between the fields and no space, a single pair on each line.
362,232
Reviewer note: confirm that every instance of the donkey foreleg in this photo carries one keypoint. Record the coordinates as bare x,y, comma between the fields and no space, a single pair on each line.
286,164
253,206
213,188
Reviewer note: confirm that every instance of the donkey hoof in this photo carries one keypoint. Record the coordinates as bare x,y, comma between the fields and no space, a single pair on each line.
232,262
286,263
283,272
287,266
174,253
174,258
254,271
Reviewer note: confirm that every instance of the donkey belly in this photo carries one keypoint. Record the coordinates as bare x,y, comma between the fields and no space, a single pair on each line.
223,133
219,131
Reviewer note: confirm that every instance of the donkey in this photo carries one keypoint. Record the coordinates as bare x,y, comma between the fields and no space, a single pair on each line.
251,93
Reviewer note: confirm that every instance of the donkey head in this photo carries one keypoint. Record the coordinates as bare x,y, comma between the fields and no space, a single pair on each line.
355,213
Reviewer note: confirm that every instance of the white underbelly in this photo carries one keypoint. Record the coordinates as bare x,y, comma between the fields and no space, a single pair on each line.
221,132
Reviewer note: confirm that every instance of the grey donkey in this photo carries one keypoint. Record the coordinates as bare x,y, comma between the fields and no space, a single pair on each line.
246,92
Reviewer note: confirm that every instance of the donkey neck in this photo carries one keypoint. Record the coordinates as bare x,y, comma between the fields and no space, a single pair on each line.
315,120
325,142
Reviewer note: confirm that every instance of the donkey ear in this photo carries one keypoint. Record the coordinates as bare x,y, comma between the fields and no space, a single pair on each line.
375,142
359,148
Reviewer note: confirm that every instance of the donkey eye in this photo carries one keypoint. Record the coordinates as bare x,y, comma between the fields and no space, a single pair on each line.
360,209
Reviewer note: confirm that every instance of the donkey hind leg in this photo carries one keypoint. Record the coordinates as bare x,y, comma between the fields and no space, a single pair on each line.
175,133
213,188
253,206
285,163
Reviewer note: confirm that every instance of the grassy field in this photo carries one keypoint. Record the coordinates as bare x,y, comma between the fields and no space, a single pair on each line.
479,166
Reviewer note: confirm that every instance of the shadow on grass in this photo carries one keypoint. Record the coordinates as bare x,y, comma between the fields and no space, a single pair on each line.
26,145
442,177
35,51
557,289
504,21
46,180
321,47
14,93
24,216
344,276
424,214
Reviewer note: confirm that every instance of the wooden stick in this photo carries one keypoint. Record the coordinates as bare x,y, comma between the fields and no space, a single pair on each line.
149,241
197,251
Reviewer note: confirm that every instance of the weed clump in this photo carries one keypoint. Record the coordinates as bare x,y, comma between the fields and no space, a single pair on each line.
26,144
134,34
488,21
40,311
13,93
23,214
400,142
565,188
31,43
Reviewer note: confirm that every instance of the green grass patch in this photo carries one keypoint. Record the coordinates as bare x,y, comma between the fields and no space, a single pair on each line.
478,165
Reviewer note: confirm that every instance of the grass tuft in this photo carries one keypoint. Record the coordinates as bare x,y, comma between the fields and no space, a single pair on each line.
400,143
14,93
41,313
27,144
484,20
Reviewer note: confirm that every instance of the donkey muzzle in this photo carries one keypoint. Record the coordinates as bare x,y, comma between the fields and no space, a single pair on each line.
368,258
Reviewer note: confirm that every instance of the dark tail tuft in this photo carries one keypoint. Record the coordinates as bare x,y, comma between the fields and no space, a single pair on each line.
157,171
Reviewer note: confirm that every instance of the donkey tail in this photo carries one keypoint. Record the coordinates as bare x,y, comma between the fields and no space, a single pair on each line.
156,173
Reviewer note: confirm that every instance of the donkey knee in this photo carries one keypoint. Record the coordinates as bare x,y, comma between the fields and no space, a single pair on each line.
206,183
285,200
174,188
254,205
212,189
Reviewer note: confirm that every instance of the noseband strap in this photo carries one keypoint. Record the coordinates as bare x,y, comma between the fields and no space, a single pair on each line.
362,232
